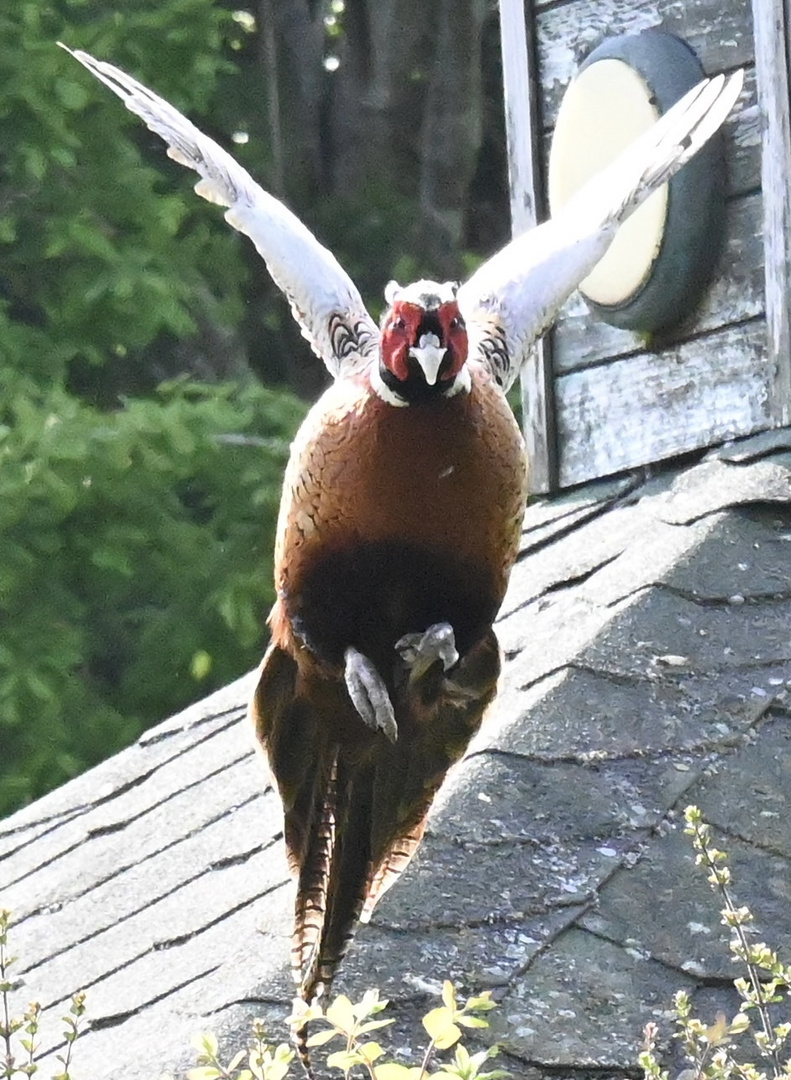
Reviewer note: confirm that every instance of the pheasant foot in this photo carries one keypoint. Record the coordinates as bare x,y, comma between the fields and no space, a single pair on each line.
369,694
421,650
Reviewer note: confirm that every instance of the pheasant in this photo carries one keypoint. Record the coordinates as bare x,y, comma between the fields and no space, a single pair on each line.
401,512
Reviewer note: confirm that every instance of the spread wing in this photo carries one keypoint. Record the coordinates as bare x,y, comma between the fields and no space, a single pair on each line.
324,300
512,299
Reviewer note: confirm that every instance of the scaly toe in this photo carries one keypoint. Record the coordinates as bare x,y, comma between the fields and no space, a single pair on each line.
369,694
421,651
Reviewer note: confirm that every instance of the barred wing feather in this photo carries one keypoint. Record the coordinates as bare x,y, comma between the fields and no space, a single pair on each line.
324,300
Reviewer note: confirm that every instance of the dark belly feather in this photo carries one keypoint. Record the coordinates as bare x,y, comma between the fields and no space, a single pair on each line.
371,595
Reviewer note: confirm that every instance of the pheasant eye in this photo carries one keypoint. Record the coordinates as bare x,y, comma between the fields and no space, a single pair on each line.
457,323
397,324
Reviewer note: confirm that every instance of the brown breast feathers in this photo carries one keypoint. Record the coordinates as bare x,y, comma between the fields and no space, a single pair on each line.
396,518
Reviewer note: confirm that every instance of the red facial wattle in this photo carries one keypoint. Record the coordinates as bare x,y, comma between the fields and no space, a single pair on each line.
398,334
401,331
454,335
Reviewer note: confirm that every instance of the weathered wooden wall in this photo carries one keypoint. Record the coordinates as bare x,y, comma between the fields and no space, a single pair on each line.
619,405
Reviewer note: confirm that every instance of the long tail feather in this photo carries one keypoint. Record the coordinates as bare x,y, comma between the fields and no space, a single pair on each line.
355,817
381,809
348,878
314,875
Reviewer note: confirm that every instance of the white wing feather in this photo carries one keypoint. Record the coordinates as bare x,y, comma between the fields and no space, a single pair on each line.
512,299
324,300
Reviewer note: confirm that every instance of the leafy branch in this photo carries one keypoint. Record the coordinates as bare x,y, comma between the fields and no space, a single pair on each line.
711,1049
18,1033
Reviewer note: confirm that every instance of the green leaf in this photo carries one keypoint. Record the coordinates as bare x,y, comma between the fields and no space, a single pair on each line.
462,1057
71,93
8,233
370,1051
369,1005
302,1014
482,1003
340,1013
441,1028
235,1061
200,665
374,1025
321,1038
344,1059
471,1021
206,1043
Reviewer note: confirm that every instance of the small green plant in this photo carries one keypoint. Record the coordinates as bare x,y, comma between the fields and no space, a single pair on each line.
260,1062
351,1023
711,1050
18,1033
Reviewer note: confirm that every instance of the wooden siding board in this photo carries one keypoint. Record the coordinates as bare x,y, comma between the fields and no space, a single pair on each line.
649,407
736,294
743,140
771,18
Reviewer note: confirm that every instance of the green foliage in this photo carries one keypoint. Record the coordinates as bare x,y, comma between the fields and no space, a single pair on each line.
260,1062
134,564
717,1051
18,1033
96,260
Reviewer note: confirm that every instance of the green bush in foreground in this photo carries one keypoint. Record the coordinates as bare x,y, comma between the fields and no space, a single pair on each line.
350,1023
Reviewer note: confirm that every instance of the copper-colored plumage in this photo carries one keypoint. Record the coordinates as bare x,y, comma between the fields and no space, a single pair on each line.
392,519
446,477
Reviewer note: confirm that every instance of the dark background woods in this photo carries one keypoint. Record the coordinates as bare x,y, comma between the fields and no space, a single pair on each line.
150,374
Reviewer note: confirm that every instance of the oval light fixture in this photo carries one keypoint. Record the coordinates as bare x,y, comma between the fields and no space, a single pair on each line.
663,256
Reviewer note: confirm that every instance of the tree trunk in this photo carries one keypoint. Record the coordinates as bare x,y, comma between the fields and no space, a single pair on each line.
451,132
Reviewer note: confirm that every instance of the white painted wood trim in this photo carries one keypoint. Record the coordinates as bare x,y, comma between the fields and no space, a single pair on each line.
771,21
523,135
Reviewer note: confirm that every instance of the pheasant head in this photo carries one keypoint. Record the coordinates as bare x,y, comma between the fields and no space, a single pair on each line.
423,344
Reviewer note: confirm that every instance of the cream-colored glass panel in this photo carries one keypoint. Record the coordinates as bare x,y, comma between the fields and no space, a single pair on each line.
606,107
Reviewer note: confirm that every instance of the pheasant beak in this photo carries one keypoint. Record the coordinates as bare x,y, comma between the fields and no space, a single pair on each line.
429,354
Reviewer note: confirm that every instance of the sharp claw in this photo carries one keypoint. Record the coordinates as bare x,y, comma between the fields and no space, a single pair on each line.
369,694
421,651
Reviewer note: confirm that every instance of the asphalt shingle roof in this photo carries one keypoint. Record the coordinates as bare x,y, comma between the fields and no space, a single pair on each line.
647,635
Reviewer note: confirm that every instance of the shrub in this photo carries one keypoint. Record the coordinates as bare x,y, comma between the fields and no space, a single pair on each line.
135,564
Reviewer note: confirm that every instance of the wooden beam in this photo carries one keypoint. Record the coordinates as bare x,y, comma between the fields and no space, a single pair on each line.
523,134
771,20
